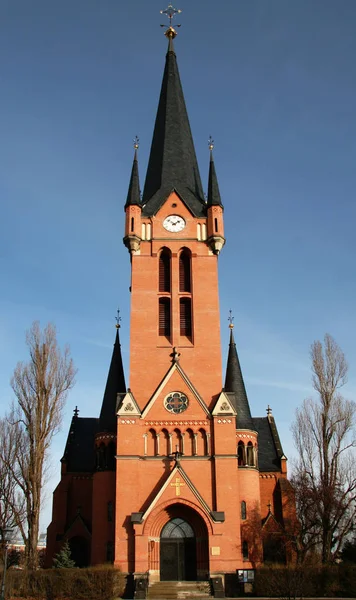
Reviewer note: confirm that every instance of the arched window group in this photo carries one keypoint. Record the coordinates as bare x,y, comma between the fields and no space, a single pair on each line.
165,293
246,455
164,443
105,457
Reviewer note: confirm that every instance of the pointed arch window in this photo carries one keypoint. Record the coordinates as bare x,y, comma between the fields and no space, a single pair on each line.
184,271
164,316
241,454
164,271
185,313
250,455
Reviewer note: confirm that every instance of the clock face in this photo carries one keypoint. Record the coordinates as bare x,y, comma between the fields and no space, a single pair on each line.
174,223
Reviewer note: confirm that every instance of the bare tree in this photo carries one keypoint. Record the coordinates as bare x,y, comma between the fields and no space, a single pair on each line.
324,435
12,502
40,386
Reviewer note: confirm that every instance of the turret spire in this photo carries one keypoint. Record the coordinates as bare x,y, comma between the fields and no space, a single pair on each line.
115,384
214,198
134,194
234,383
172,163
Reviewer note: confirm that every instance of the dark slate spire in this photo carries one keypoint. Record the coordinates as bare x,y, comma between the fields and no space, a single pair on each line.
172,163
133,194
214,198
115,384
234,383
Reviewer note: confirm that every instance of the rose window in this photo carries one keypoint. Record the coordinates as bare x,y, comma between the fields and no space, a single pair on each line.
176,403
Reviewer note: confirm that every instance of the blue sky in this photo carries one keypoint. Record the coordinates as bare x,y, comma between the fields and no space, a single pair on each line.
274,83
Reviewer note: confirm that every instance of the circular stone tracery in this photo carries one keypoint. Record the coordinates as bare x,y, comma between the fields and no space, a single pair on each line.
176,402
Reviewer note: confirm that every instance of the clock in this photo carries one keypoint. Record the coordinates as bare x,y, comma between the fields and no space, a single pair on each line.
174,223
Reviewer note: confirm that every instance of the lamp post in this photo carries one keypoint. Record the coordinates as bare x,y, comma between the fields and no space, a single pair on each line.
6,537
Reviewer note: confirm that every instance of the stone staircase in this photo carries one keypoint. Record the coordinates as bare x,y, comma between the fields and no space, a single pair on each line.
179,589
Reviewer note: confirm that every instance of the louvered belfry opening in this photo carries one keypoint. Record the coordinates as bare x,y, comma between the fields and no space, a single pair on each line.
164,317
184,271
164,275
185,305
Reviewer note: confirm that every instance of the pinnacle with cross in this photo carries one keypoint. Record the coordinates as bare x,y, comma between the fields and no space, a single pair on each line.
171,12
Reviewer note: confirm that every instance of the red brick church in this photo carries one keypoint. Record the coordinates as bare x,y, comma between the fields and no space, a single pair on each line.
175,478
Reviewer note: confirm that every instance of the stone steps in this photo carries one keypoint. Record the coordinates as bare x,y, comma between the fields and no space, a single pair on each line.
179,589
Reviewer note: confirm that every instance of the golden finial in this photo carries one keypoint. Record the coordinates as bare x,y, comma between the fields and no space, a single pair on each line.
231,319
211,145
118,319
171,12
136,142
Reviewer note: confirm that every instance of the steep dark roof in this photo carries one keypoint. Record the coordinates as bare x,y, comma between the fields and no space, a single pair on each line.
79,453
234,383
115,384
214,198
133,194
269,453
172,163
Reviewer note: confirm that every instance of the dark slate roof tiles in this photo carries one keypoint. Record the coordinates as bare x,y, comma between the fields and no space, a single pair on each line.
115,384
172,163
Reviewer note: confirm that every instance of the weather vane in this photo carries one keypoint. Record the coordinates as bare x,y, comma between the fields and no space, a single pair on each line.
118,319
231,319
171,12
136,142
211,145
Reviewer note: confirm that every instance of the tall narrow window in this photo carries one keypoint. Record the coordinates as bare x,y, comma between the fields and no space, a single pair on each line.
245,550
240,454
164,277
184,271
243,510
132,224
216,225
164,317
250,456
185,305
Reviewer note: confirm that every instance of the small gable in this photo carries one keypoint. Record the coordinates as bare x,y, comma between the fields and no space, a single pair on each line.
223,406
128,406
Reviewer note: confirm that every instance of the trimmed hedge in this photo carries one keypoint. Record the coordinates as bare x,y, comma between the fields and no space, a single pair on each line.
95,583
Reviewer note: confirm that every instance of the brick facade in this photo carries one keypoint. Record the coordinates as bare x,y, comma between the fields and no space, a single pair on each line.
211,465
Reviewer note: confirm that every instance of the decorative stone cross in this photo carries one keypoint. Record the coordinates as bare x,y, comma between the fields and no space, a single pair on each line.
177,485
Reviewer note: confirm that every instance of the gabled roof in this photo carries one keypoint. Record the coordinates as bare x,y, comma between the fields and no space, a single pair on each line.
79,453
269,449
172,163
175,367
115,384
234,384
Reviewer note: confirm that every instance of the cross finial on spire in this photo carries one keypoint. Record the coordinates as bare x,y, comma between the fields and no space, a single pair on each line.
76,411
268,410
118,319
171,12
210,143
136,142
269,505
231,319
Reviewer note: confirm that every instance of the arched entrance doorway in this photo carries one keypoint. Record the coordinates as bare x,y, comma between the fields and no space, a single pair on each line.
178,551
